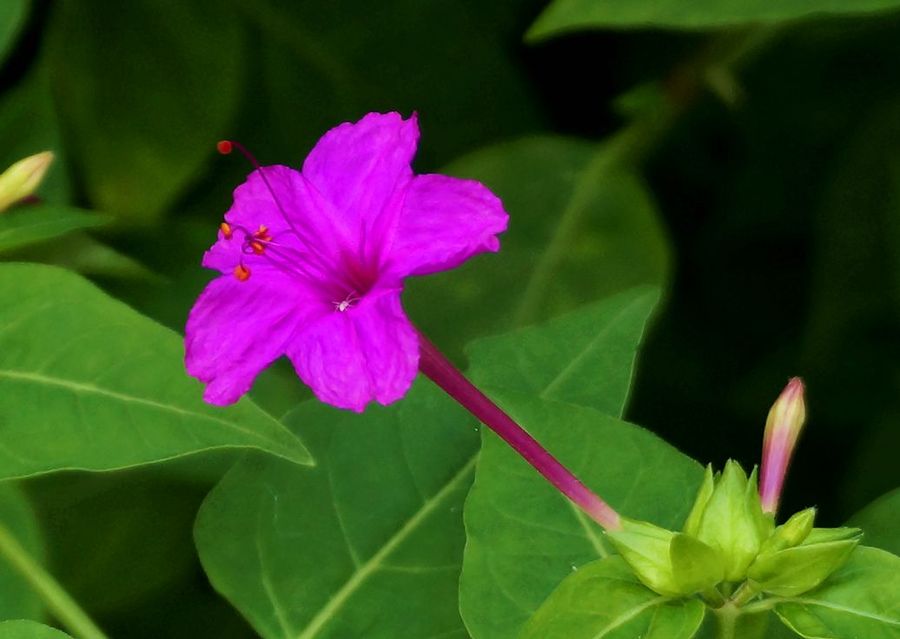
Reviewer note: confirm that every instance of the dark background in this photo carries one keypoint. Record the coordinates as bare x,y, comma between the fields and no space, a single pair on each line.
780,204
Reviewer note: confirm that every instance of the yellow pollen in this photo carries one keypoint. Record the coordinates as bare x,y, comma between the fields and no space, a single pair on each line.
242,273
257,247
225,227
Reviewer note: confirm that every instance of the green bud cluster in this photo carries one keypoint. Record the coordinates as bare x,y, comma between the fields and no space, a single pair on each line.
729,545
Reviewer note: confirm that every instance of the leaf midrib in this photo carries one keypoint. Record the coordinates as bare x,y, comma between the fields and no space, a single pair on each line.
80,387
359,576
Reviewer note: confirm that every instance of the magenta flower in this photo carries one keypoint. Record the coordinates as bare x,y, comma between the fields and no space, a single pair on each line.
313,263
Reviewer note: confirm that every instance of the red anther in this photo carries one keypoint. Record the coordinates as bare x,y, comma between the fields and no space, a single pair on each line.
242,273
257,247
225,227
224,147
263,234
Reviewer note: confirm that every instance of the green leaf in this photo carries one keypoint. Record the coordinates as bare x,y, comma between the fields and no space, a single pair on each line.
563,16
12,16
880,522
518,550
859,600
95,522
581,230
366,544
143,91
30,224
17,599
24,629
586,357
603,600
88,383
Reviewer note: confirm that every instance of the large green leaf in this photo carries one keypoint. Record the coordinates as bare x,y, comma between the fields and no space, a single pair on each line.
518,550
30,224
880,522
859,600
586,357
17,520
24,629
563,16
88,383
144,89
367,543
251,522
12,16
604,600
581,229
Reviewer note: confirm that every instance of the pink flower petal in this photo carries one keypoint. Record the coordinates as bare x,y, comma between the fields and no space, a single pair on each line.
443,222
236,329
369,352
361,168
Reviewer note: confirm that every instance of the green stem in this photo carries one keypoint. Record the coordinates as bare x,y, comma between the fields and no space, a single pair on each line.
60,604
727,617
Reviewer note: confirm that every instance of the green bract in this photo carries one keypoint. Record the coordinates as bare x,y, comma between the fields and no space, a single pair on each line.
670,563
729,558
732,520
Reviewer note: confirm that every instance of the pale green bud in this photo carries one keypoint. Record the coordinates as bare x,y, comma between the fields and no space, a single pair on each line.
22,178
733,522
672,564
791,533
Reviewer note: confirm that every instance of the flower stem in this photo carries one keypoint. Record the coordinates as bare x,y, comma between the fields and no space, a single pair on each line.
436,366
726,618
59,602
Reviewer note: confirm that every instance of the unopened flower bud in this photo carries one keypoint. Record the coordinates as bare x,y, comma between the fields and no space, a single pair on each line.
791,533
732,521
22,178
783,427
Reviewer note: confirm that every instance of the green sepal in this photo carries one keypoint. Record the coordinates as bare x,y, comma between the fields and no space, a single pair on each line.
695,566
824,535
791,533
672,564
793,571
692,523
733,522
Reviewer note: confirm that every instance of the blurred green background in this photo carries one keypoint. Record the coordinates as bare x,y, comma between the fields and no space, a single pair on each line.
751,170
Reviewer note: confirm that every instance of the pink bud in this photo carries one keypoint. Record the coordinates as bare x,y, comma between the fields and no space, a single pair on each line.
783,427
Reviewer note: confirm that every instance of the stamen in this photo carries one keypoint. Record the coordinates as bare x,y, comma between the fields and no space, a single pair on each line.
225,227
263,233
257,247
242,273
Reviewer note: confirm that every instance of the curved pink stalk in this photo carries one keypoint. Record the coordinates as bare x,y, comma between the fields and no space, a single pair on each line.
434,365
783,427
